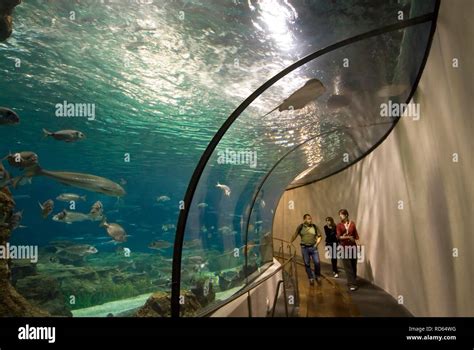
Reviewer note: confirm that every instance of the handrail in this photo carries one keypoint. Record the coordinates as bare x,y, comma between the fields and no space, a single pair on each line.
248,288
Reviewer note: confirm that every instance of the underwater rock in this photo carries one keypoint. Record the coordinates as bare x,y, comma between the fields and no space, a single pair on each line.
6,19
7,204
249,269
204,291
159,305
12,303
43,291
21,269
229,279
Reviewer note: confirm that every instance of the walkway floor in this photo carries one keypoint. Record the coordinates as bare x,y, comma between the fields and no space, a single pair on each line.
331,298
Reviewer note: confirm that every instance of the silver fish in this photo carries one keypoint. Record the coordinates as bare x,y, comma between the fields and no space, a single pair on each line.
65,135
162,199
70,217
225,188
79,250
67,197
79,180
160,245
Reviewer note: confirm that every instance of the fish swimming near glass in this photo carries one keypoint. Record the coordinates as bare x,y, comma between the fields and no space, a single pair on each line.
115,231
70,217
46,208
85,181
65,135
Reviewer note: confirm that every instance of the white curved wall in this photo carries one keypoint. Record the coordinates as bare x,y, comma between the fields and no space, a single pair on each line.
409,252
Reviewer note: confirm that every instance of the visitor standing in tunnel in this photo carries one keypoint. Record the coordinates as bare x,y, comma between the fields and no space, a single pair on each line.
331,243
310,238
347,235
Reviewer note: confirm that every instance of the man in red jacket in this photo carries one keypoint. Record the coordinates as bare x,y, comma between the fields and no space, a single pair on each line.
347,235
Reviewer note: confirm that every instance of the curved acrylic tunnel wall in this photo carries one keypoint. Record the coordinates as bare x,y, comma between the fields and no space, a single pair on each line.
412,198
259,156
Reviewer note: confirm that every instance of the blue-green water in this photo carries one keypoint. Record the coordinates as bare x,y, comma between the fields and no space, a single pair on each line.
163,77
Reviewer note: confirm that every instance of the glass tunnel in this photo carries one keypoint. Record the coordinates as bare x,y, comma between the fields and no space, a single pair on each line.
203,114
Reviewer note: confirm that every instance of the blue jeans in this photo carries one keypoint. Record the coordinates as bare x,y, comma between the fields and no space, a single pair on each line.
308,253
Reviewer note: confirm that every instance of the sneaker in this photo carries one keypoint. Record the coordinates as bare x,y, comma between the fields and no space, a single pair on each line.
318,279
336,275
353,288
311,281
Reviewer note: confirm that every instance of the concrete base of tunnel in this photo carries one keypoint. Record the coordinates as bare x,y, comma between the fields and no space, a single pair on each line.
259,301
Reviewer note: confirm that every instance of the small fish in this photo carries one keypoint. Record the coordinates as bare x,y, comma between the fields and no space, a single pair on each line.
229,233
22,160
70,217
225,229
203,229
46,208
115,231
202,205
97,209
338,101
306,94
248,247
79,250
195,259
15,220
225,188
192,244
8,117
162,199
122,181
21,181
160,245
65,135
167,227
263,204
67,197
123,251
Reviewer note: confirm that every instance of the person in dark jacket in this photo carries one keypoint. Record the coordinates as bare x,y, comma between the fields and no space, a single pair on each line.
331,243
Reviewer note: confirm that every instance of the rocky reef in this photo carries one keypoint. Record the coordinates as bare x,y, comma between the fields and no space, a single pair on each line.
12,303
159,305
6,19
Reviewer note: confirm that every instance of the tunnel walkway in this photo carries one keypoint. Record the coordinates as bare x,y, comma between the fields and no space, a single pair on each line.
330,298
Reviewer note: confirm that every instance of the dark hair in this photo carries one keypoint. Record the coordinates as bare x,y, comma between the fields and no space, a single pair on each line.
344,211
305,215
331,220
